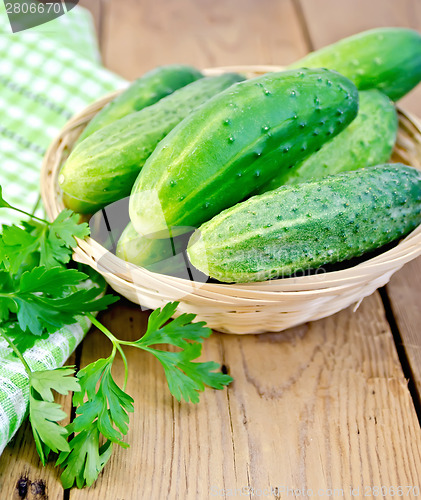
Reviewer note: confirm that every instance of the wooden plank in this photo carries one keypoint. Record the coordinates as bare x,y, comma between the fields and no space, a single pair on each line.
141,35
320,406
404,291
22,475
211,35
331,20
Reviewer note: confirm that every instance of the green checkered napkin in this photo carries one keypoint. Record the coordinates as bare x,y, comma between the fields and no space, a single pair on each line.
45,354
43,83
47,74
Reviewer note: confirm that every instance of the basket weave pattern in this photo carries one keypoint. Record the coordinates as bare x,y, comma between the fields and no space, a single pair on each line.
238,308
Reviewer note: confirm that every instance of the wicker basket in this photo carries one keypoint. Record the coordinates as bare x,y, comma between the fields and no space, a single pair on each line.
239,308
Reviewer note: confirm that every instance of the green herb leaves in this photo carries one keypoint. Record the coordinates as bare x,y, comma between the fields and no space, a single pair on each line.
46,299
109,404
39,295
105,412
44,414
185,378
102,407
86,460
49,245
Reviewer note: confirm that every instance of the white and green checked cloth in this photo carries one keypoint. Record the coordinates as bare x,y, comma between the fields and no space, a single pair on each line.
47,74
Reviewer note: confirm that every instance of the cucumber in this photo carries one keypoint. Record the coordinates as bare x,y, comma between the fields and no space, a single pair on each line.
103,168
367,141
388,59
296,228
235,143
164,256
143,92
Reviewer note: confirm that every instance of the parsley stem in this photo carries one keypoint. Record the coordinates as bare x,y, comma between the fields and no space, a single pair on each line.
36,205
126,367
102,328
31,216
116,344
16,351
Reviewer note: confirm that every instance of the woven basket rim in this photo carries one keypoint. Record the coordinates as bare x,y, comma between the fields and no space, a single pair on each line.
394,258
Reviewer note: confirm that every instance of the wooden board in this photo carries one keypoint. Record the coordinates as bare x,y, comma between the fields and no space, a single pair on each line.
328,21
321,406
141,35
404,291
324,405
331,20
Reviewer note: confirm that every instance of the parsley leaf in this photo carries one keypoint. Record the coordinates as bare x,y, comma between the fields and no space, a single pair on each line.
6,285
58,239
86,459
44,300
39,295
104,412
60,380
50,245
21,340
66,228
109,404
44,414
102,407
16,246
48,434
185,378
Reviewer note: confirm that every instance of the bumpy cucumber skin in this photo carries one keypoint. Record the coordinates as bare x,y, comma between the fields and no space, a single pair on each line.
158,255
303,227
143,92
103,168
388,59
366,142
235,143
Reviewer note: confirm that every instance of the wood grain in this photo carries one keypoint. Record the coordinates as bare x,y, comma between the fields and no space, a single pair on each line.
321,406
141,35
404,291
331,20
328,21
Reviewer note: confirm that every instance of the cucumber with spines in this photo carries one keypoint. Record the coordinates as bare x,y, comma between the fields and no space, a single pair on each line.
388,59
103,168
146,90
367,141
235,143
304,226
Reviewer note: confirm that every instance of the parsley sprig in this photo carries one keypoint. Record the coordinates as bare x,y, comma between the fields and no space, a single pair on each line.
103,408
45,299
38,295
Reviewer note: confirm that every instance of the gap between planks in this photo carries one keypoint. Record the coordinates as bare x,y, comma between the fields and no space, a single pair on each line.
325,23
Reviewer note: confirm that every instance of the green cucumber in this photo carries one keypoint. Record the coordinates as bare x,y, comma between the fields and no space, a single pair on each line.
388,59
143,92
301,227
164,256
103,168
367,141
235,143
